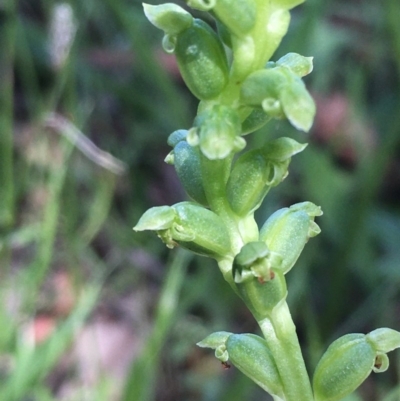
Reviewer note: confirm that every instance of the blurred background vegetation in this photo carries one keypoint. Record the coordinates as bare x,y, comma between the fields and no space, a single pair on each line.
90,310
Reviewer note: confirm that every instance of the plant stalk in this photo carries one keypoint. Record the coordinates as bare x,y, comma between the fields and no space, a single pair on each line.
280,334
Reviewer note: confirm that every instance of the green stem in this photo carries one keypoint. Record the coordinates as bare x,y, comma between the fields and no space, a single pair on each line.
215,175
280,334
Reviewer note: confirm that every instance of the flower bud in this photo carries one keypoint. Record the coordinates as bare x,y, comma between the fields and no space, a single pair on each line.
202,60
249,182
168,17
261,288
218,130
256,171
190,225
344,366
252,356
280,92
287,231
350,359
186,160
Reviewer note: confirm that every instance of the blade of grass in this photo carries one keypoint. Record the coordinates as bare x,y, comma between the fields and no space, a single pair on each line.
37,272
141,382
7,44
98,212
32,364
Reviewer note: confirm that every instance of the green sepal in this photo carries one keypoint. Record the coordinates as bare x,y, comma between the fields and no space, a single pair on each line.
260,296
214,340
249,182
384,340
298,64
202,60
211,237
257,171
217,342
344,366
282,149
169,17
218,130
156,218
298,105
287,231
252,356
190,225
186,160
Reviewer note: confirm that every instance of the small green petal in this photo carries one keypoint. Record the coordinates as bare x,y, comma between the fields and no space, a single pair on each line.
156,218
298,105
168,17
214,340
384,340
300,65
282,149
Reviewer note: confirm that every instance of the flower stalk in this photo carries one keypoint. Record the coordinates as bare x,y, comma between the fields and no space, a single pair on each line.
236,98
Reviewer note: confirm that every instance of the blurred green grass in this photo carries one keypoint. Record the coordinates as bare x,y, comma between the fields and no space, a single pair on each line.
62,213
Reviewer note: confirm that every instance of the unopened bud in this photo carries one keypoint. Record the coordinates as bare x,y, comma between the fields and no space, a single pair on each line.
252,356
186,160
287,231
280,92
202,60
258,170
190,225
219,132
344,366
